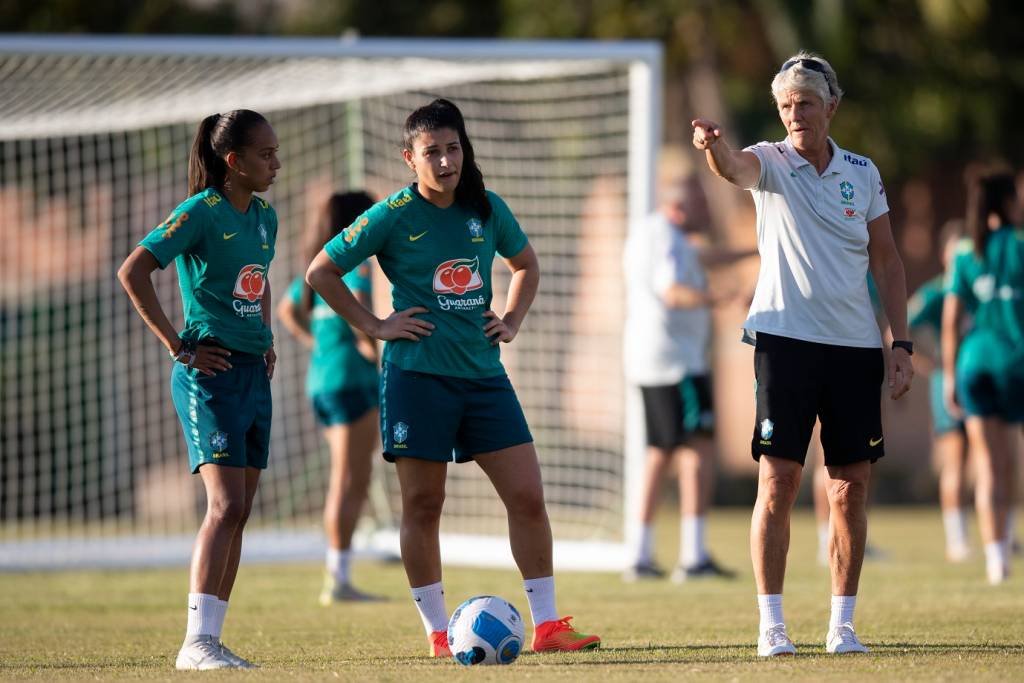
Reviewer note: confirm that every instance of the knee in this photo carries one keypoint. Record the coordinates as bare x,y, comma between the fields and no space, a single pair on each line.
228,512
422,507
780,488
528,506
848,494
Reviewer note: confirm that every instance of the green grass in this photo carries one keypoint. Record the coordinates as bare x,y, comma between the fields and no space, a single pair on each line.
923,619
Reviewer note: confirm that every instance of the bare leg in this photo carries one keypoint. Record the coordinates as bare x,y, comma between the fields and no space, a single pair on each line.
351,449
227,582
225,512
696,476
515,474
422,485
990,445
654,471
777,485
847,487
951,449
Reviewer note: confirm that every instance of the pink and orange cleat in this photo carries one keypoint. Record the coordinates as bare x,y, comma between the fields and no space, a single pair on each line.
560,636
439,644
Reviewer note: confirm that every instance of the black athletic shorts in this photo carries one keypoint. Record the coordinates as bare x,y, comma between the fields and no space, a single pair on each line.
797,381
676,412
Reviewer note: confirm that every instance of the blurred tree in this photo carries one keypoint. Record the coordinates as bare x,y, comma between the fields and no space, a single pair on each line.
121,16
452,18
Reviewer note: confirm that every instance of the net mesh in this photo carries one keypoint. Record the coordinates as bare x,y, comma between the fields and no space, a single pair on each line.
94,153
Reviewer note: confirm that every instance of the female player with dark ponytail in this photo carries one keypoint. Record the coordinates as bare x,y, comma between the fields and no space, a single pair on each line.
445,397
221,240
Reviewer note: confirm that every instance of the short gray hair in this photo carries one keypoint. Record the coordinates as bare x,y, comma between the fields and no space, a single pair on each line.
801,78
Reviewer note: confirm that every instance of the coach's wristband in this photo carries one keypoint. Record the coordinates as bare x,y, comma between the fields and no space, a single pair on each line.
905,345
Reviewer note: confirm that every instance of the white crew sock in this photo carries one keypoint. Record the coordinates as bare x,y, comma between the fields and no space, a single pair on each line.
770,607
955,524
202,614
995,561
691,542
430,603
339,564
645,551
842,610
541,595
218,625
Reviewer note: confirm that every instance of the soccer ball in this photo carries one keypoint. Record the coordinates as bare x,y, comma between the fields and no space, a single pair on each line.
485,630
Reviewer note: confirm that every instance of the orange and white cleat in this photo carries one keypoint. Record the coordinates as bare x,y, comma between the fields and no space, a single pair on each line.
439,644
560,636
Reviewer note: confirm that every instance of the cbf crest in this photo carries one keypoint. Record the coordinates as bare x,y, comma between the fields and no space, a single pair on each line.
846,190
218,441
476,229
399,433
263,236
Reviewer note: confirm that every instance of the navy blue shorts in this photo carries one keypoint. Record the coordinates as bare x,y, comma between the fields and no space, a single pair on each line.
447,419
343,407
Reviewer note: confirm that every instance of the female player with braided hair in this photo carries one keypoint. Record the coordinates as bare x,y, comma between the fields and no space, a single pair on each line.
221,240
445,396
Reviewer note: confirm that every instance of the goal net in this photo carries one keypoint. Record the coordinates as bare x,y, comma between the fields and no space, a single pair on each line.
95,135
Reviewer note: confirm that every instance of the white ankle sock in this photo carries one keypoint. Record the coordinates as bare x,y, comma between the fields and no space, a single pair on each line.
339,564
995,561
691,542
202,614
540,593
645,552
222,611
430,603
770,607
842,610
955,525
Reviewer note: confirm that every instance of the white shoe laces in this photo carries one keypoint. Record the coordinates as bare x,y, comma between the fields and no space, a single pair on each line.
845,634
776,635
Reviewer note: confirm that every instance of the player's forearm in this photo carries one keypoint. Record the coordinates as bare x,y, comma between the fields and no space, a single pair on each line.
681,297
521,292
325,279
892,289
139,286
952,309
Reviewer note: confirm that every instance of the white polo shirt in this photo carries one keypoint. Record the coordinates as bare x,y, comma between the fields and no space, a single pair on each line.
813,239
662,344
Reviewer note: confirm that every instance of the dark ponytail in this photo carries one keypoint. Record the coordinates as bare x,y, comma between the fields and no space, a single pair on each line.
990,194
340,211
442,113
217,135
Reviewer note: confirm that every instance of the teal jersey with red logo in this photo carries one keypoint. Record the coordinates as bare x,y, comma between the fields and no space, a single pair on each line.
222,256
992,289
924,309
439,259
335,363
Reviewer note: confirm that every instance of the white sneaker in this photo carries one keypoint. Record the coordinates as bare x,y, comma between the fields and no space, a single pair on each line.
997,572
201,653
236,661
774,642
842,640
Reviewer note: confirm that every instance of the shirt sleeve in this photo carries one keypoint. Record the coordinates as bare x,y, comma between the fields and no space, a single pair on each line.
271,228
509,238
959,279
358,279
181,232
763,152
879,205
925,306
361,240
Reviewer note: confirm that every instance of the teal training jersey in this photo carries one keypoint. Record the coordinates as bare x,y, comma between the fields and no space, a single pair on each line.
222,257
992,288
334,363
925,307
439,259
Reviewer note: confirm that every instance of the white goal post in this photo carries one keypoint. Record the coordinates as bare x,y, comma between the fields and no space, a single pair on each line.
94,139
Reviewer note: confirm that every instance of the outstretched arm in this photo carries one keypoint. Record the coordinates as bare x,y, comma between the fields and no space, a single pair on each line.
742,169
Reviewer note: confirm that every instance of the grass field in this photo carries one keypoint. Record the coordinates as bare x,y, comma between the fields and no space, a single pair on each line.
923,619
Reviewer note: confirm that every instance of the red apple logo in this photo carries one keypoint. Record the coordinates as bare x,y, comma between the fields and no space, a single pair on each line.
457,276
250,282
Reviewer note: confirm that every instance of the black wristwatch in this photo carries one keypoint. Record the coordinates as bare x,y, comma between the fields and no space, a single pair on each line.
905,345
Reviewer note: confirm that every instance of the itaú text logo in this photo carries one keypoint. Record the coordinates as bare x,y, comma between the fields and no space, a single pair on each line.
250,282
458,276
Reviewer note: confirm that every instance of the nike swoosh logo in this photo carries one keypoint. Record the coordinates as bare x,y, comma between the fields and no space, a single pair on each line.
193,606
413,238
419,599
874,442
529,590
227,236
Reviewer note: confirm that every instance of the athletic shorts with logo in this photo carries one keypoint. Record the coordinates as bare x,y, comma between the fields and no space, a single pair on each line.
798,381
674,413
448,419
344,406
225,417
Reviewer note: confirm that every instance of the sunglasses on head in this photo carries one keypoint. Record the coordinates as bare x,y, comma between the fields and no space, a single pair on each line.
813,65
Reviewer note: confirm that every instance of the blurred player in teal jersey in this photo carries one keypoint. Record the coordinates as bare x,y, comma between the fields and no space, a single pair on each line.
445,397
342,386
983,373
950,440
221,240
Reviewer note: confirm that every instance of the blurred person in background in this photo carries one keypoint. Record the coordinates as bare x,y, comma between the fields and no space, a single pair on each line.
983,371
221,240
949,437
822,222
341,384
667,330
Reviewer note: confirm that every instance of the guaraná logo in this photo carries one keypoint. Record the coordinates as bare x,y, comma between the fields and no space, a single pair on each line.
458,276
250,282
